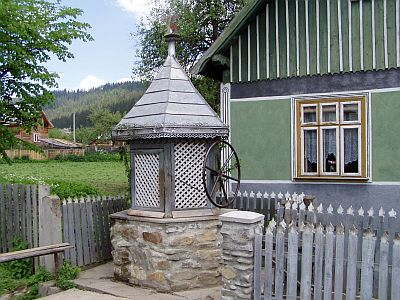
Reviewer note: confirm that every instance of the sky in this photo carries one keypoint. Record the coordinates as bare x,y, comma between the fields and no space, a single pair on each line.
111,57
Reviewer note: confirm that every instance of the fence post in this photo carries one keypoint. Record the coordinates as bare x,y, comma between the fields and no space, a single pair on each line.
239,229
50,224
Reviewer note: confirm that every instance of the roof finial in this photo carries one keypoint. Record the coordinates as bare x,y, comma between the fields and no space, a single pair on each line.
172,34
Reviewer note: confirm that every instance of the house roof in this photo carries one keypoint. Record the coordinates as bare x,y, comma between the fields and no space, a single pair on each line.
206,64
60,143
46,121
171,107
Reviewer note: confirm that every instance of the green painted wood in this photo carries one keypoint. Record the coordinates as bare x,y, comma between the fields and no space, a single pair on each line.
312,33
292,39
302,38
323,37
247,128
282,39
334,37
367,21
235,64
253,51
391,32
272,43
244,55
355,12
380,41
385,137
263,46
345,34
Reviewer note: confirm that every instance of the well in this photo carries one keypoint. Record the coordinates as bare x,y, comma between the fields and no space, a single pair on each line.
169,239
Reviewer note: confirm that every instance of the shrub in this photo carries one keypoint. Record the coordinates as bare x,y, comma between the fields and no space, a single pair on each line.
68,272
21,268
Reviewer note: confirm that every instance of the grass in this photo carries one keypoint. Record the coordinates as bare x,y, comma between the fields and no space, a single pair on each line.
106,177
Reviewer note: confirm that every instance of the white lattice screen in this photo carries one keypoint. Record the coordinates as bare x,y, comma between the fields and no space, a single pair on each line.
189,191
147,179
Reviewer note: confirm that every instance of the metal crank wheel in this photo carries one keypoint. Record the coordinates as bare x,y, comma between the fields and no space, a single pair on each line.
218,171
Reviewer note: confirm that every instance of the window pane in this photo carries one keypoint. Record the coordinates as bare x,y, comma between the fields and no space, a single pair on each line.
351,150
310,151
309,114
329,150
350,112
329,113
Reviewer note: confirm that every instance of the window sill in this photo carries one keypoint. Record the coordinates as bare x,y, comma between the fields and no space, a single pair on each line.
331,179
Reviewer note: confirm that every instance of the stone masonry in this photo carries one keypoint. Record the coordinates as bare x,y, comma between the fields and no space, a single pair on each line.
167,254
238,231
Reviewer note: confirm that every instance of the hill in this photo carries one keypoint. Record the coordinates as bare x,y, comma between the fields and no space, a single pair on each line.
111,96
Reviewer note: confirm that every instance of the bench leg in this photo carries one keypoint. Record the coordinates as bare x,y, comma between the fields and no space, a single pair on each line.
57,262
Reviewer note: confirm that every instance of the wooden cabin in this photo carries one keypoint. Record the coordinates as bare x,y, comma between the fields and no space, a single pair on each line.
311,92
37,133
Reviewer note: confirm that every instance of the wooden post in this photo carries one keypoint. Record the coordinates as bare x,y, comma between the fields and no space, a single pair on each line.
50,225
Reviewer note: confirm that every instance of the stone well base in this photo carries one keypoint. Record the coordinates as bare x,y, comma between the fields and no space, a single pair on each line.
167,254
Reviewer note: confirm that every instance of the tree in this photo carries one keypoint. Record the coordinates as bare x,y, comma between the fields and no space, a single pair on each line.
103,120
31,33
200,23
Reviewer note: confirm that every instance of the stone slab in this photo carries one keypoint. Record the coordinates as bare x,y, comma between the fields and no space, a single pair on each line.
75,294
103,271
243,217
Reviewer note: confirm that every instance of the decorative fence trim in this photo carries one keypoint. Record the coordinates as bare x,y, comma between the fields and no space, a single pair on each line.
321,252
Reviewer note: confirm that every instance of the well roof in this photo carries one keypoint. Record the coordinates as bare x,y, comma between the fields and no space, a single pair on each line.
171,107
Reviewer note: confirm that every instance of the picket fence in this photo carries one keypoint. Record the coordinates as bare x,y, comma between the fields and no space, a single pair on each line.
86,226
310,261
84,222
19,215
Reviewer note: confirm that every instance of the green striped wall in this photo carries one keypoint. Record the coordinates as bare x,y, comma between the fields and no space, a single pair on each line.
345,44
261,134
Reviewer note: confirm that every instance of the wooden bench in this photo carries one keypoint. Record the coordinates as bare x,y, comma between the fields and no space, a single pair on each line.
39,251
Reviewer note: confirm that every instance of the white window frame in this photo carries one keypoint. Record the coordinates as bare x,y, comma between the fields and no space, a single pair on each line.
303,172
322,158
342,128
364,143
316,114
36,137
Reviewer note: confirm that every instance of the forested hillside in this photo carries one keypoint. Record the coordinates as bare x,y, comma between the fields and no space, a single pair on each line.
113,97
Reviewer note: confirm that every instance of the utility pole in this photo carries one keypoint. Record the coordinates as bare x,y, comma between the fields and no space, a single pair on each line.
73,126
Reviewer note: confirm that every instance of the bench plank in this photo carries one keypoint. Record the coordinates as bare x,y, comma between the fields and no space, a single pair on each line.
34,252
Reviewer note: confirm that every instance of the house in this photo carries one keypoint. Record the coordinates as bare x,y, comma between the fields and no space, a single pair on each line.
311,92
37,133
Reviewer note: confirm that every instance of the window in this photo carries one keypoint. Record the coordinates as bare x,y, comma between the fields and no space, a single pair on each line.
331,138
36,137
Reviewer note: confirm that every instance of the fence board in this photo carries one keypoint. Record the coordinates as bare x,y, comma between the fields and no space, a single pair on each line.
383,267
291,290
3,245
9,215
78,233
22,199
107,252
329,242
90,229
96,227
29,215
396,268
85,238
280,261
269,242
306,258
367,265
71,231
16,211
319,255
351,285
67,252
257,266
35,220
101,227
339,262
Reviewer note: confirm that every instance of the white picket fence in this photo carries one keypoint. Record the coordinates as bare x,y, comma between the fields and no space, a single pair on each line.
324,262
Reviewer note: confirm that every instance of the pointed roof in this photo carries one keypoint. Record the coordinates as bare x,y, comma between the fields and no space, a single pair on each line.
171,107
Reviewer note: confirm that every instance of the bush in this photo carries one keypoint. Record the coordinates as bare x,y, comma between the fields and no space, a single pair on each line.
68,272
72,189
21,268
89,157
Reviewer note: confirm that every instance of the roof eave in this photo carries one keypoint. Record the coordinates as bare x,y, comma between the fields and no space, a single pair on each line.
203,65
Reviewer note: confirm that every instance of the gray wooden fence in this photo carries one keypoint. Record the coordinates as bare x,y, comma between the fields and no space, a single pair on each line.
307,261
19,215
86,226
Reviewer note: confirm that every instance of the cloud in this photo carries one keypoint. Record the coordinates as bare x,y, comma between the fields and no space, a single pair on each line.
136,7
91,81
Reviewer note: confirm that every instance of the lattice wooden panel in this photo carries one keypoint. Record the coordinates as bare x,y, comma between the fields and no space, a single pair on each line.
147,180
189,191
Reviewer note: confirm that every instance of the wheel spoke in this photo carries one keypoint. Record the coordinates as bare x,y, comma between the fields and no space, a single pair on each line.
214,172
230,177
214,186
227,161
224,190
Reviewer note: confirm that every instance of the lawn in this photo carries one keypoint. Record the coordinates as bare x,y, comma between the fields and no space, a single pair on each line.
106,177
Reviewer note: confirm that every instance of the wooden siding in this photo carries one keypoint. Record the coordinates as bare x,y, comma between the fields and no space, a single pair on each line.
309,37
